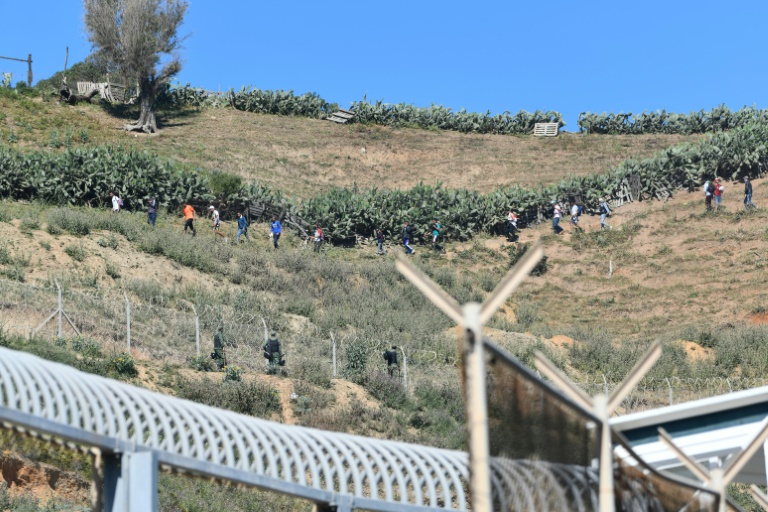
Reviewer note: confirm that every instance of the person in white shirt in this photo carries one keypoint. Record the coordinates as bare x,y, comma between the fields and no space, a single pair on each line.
216,222
558,212
116,202
575,216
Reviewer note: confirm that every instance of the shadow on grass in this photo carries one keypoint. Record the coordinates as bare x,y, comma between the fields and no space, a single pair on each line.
167,117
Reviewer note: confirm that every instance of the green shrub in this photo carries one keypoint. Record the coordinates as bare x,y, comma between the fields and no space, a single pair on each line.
718,119
87,347
112,270
76,252
201,363
66,219
357,360
124,365
247,397
233,373
29,224
388,390
109,242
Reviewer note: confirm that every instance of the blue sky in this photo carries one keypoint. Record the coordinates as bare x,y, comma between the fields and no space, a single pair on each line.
484,55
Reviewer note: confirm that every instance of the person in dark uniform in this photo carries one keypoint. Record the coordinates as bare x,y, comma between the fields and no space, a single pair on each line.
273,353
218,348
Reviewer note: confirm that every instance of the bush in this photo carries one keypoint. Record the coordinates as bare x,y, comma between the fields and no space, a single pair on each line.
201,363
233,373
66,219
357,360
124,365
250,397
76,252
88,348
388,390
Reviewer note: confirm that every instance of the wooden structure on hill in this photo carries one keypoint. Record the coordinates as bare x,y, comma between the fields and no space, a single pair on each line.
341,117
114,93
546,129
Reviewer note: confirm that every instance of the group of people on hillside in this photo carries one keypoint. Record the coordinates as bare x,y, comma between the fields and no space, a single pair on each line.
577,209
275,227
272,348
715,189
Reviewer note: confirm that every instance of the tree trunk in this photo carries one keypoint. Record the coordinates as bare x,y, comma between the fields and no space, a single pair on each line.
147,122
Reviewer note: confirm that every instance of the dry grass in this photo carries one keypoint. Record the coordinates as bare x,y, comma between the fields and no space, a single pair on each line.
302,156
680,268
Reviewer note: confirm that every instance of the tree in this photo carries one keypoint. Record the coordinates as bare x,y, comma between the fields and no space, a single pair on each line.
140,38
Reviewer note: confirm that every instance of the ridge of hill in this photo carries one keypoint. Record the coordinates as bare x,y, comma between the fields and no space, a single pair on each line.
302,156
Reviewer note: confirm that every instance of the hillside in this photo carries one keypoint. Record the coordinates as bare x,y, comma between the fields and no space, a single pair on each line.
680,274
303,156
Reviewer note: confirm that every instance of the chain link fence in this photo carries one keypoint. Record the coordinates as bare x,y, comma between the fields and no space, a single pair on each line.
174,332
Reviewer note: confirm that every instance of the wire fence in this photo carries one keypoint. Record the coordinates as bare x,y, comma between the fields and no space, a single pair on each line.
153,328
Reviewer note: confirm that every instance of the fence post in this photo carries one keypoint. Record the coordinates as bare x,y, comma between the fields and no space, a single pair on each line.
29,70
127,322
61,306
333,353
197,330
405,371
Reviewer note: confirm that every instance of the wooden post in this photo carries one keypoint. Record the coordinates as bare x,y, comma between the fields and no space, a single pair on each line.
29,70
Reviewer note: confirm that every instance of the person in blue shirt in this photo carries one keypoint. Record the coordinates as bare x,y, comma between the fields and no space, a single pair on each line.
436,227
276,229
242,227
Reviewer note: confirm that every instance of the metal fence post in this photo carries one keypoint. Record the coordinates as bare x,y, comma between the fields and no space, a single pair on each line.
333,353
477,415
669,385
61,306
197,330
130,482
127,322
405,370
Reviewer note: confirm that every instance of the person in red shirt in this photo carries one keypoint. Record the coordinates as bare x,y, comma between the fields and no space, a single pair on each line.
718,193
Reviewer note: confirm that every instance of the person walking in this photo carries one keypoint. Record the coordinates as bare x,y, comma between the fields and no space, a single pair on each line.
218,348
436,227
557,212
380,242
575,217
718,193
216,222
318,239
273,353
511,224
390,356
709,190
189,215
152,211
242,227
605,211
117,203
275,230
407,237
748,194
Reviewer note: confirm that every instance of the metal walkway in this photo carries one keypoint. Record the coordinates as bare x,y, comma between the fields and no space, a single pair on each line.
138,431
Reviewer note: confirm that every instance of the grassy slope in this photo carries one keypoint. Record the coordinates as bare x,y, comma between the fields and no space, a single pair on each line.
302,156
677,272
